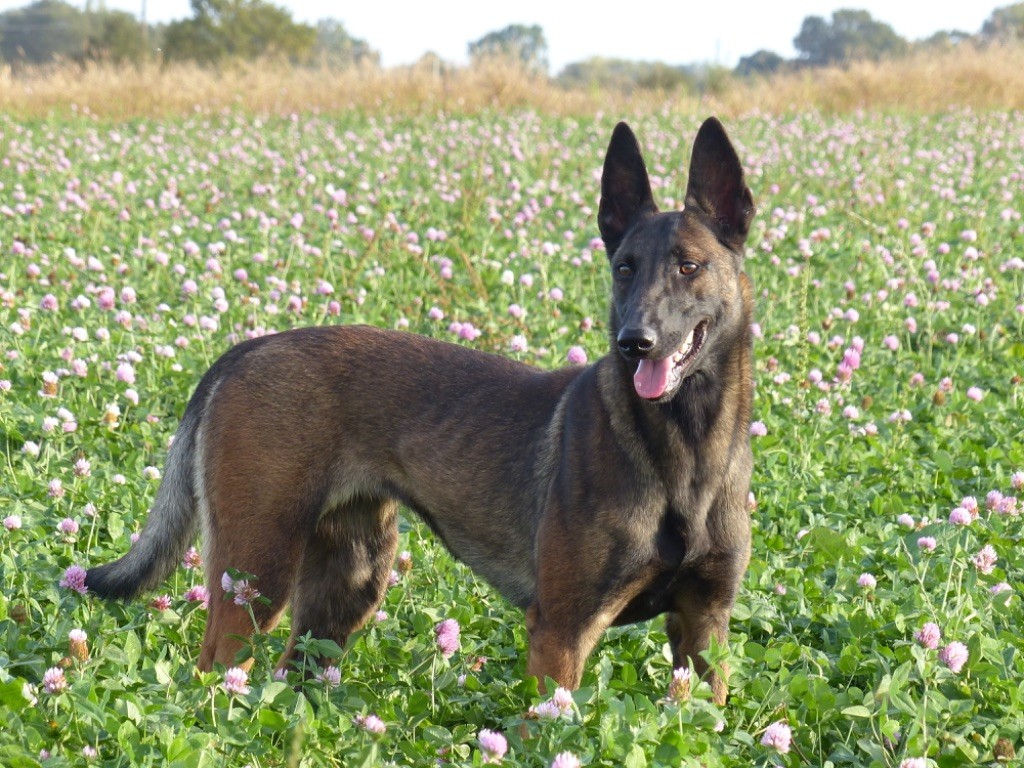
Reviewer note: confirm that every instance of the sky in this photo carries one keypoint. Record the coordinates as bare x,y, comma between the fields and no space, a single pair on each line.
680,32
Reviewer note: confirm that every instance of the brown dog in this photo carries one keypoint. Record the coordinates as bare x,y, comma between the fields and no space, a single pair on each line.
587,496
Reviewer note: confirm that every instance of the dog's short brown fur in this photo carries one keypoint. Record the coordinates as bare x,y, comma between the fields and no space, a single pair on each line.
588,496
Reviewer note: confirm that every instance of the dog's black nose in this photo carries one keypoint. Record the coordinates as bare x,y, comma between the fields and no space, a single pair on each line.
637,342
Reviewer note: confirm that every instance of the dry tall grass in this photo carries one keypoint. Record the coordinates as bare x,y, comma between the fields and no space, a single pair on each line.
924,82
267,87
990,78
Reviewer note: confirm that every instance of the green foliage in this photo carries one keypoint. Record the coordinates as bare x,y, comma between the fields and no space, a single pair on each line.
524,45
48,30
849,36
760,63
42,31
712,79
117,36
237,29
944,40
219,29
334,46
156,244
626,76
1006,24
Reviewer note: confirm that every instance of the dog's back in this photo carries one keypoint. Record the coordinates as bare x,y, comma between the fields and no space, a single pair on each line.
341,413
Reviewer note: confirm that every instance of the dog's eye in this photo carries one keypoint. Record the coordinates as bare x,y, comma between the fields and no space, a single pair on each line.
688,267
624,270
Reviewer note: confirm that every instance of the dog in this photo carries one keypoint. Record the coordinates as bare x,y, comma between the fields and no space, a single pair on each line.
588,496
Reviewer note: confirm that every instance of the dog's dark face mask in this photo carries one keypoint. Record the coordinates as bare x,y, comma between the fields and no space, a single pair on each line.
676,275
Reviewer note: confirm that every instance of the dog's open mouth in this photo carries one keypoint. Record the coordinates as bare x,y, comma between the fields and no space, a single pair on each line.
653,378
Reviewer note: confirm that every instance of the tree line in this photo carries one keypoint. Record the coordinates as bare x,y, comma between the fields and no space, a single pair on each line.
218,30
54,30
850,35
853,35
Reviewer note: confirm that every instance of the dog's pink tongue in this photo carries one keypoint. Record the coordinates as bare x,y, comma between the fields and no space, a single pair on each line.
651,378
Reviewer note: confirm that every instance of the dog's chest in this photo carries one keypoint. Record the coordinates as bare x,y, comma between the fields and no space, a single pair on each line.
657,583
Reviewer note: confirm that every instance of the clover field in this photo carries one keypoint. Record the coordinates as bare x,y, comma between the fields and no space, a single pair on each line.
880,621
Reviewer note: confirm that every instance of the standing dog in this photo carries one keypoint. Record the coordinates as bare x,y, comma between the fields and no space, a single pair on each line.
587,496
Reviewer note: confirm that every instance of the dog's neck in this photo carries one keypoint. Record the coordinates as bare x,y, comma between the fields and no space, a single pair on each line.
722,388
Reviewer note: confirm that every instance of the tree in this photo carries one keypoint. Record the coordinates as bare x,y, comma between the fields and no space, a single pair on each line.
244,29
50,29
945,39
116,36
336,47
43,31
1006,24
625,75
523,45
851,35
658,76
760,63
815,41
862,37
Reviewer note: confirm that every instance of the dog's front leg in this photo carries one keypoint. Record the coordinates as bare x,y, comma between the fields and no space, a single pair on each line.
702,609
560,642
572,606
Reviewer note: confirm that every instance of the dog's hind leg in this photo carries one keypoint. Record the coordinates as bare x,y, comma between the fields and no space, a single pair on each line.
344,573
259,541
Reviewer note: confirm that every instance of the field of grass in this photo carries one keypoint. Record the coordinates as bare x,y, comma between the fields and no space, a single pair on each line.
880,621
925,82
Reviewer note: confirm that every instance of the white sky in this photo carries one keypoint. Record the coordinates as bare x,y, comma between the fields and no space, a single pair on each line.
679,32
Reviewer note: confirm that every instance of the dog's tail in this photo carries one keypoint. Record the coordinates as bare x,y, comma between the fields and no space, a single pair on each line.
170,528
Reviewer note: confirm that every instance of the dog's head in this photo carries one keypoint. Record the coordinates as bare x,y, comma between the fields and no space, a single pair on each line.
679,288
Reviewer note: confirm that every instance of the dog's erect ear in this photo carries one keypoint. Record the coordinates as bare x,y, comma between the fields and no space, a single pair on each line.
716,184
625,188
